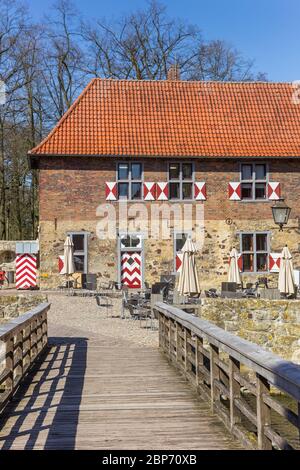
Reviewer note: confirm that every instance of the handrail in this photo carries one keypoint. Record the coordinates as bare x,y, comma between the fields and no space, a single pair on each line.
215,369
23,339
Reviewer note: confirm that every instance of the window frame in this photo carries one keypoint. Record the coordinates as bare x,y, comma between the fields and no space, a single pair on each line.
253,180
255,252
189,234
130,180
83,252
180,180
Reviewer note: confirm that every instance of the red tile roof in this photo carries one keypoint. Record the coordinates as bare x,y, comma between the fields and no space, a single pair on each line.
178,119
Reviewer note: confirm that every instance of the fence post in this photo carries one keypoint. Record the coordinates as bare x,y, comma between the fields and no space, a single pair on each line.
9,362
234,391
263,413
214,374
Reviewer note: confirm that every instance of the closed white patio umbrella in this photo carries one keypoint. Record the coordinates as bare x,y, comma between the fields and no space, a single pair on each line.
188,279
286,280
69,267
234,272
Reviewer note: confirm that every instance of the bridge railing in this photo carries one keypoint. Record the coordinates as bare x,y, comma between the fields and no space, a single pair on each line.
237,377
22,341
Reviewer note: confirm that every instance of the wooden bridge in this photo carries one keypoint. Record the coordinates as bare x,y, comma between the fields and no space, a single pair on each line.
75,392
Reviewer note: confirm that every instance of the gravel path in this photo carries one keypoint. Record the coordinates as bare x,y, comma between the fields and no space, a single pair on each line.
82,314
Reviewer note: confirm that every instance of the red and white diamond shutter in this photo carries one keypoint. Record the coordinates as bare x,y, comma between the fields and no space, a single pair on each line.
61,263
131,269
111,191
149,191
26,271
178,261
274,262
274,191
162,191
200,191
235,191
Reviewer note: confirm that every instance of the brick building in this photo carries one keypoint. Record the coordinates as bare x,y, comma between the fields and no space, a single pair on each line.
224,151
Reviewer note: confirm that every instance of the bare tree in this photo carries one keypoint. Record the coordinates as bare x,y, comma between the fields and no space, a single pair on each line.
62,61
217,60
12,25
140,46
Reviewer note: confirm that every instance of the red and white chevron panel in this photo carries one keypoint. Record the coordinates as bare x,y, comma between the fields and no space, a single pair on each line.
274,262
162,191
131,270
178,262
235,191
149,191
200,191
25,271
274,191
111,191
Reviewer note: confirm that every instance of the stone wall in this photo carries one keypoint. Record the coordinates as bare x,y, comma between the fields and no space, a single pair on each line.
274,325
15,305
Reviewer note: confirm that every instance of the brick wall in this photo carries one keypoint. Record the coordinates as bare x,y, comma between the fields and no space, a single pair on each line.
73,187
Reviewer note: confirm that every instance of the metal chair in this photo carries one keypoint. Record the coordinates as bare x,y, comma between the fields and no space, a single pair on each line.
140,312
99,297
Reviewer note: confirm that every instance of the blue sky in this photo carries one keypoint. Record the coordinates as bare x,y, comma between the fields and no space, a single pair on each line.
264,30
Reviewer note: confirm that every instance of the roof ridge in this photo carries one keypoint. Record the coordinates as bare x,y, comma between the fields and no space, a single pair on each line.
64,117
229,82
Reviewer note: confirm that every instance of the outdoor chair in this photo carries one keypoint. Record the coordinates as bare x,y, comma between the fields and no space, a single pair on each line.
99,298
140,312
211,293
125,302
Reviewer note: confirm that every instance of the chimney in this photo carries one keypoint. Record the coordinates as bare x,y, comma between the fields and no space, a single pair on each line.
174,72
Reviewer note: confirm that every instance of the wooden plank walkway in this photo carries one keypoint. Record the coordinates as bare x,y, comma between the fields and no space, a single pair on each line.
97,392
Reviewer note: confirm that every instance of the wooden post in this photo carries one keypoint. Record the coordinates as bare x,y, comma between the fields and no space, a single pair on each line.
188,349
45,329
199,360
214,375
170,335
185,350
39,334
263,413
160,330
234,391
176,340
9,363
18,354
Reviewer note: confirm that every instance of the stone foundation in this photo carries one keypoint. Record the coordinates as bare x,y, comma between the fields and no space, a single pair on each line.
273,324
212,259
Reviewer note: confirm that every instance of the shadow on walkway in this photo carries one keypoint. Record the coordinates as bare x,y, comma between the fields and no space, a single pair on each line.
52,394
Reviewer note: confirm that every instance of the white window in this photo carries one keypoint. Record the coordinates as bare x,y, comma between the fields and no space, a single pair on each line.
130,180
255,250
80,241
181,180
254,178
